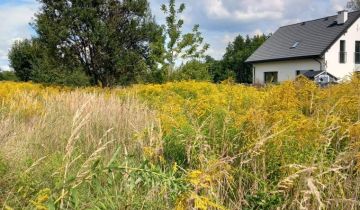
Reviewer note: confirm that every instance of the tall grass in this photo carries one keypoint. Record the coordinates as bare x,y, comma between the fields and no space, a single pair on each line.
181,145
75,151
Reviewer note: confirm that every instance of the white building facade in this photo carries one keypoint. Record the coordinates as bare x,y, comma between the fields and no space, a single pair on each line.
351,39
330,44
286,70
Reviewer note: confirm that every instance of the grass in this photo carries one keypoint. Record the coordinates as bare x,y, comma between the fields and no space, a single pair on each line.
180,146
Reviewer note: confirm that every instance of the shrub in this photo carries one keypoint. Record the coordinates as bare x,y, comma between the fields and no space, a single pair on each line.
23,56
8,76
192,70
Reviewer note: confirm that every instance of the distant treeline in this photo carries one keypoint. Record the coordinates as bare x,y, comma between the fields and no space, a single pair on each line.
110,43
8,76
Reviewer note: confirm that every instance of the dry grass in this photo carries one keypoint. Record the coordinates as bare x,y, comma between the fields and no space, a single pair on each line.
71,131
66,117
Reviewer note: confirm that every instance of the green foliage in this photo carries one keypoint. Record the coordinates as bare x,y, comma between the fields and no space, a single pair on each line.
233,63
192,70
175,150
8,76
31,61
264,200
3,167
236,54
156,76
217,71
178,45
22,56
108,40
58,76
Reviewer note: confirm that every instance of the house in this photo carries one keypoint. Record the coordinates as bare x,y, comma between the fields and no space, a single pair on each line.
328,47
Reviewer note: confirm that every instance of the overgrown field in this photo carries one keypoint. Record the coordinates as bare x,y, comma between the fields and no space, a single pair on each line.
184,145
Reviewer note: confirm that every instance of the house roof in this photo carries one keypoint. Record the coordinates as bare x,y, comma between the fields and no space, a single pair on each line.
302,40
312,74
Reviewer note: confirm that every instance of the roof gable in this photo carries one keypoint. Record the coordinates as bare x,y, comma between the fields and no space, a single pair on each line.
313,38
315,74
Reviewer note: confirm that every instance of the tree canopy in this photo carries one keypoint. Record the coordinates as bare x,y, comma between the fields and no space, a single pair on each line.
233,62
108,40
188,46
22,58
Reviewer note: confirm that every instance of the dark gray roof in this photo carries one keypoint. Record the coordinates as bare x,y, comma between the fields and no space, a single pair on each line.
312,74
315,38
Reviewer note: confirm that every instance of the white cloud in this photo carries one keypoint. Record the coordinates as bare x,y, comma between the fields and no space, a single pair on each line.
257,32
215,9
15,19
228,37
338,4
252,15
245,10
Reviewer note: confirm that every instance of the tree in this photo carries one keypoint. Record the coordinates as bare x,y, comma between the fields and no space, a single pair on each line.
108,40
236,54
217,71
187,46
22,57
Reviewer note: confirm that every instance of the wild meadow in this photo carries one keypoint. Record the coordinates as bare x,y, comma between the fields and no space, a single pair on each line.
183,145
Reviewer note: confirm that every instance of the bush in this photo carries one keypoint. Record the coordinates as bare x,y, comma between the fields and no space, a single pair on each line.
23,56
31,63
192,70
8,76
58,76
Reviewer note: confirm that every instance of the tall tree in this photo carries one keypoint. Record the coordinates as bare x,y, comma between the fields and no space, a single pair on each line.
108,40
237,52
217,70
187,46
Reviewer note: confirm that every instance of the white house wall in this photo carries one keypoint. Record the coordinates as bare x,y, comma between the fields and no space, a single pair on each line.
286,69
333,64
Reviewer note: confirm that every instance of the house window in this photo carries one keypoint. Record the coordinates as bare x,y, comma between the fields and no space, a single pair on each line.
342,54
271,77
295,45
357,52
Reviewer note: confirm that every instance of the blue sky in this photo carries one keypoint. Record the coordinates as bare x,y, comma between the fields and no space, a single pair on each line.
220,20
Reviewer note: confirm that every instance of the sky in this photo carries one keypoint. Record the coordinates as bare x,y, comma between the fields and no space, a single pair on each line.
220,20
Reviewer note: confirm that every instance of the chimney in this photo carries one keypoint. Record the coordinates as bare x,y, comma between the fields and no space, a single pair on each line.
342,17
